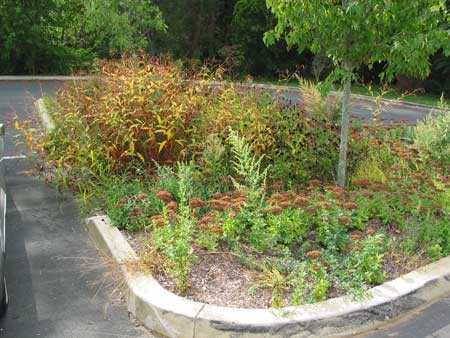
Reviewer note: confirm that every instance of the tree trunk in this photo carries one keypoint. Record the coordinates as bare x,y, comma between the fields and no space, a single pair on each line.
345,126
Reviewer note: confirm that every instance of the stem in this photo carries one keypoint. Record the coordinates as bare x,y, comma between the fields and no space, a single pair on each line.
344,125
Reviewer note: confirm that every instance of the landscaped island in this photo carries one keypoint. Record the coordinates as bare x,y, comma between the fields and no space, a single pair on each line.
230,198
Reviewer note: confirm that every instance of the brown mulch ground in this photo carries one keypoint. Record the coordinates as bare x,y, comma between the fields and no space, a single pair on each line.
219,278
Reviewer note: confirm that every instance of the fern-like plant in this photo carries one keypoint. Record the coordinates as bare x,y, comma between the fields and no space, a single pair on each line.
247,166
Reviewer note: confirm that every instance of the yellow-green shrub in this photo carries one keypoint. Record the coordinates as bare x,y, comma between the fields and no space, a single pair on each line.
150,111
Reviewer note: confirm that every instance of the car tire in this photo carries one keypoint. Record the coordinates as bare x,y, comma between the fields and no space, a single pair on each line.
4,301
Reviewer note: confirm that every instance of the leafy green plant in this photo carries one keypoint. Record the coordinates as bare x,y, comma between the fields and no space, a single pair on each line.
305,147
129,203
369,169
321,285
300,287
174,241
246,166
289,227
166,180
368,260
208,239
213,162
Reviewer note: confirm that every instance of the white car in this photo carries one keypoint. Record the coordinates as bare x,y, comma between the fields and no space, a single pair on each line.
3,291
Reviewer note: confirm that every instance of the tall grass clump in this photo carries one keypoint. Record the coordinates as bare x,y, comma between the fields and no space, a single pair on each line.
432,136
140,112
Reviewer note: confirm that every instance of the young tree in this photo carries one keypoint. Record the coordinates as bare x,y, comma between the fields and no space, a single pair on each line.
401,33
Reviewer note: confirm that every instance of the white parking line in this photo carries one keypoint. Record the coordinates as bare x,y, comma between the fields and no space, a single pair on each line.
12,157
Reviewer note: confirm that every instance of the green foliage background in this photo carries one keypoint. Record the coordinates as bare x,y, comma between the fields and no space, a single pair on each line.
62,36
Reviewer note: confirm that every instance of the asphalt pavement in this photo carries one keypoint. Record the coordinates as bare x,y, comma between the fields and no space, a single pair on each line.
58,285
362,107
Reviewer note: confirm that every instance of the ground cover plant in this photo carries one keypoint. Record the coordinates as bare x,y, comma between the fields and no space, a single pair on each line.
231,183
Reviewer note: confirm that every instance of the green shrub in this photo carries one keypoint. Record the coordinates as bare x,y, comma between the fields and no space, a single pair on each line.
369,169
320,287
306,147
129,203
289,227
174,240
368,261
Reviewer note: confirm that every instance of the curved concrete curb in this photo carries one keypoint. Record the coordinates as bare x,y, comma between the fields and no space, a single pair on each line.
172,316
43,114
44,78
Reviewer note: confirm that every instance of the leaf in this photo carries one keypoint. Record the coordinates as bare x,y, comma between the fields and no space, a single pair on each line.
139,155
161,145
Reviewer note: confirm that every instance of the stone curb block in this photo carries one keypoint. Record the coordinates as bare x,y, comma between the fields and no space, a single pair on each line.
42,111
44,78
109,240
172,316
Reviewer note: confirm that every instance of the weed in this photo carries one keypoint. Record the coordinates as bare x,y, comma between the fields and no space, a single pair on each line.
320,285
247,167
432,136
298,296
174,242
277,282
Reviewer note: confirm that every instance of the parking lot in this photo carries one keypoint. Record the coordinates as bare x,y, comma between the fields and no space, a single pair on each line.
58,286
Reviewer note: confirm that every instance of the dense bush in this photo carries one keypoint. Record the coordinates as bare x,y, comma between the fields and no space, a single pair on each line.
138,114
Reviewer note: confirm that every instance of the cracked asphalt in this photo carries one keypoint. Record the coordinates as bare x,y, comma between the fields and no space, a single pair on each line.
58,285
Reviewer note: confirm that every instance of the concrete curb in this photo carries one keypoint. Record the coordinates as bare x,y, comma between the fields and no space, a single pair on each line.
354,97
172,316
44,78
43,114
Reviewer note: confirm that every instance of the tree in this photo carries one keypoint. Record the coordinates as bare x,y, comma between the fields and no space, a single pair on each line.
401,33
24,42
59,36
197,29
251,19
113,27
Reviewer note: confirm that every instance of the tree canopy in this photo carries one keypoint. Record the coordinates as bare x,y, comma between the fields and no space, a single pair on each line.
62,36
58,36
402,34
